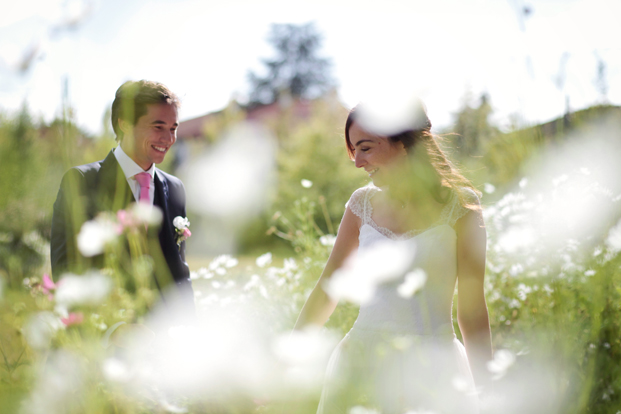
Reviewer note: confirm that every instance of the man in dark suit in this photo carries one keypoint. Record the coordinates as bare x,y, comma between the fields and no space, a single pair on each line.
145,120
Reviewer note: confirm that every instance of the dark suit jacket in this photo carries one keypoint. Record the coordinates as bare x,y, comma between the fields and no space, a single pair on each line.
89,189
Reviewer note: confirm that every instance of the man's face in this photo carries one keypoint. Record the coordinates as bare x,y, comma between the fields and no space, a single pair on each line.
155,132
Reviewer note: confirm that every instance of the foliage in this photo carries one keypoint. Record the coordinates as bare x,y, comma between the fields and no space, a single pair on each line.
472,127
511,155
552,291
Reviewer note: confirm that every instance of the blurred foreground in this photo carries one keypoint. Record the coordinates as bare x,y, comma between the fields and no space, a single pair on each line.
87,344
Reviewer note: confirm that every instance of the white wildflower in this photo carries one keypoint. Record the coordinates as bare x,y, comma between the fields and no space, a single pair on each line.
503,359
289,264
359,409
305,354
181,222
523,291
264,259
523,182
414,281
40,329
306,183
147,214
489,188
327,240
614,238
356,280
96,234
115,370
516,269
90,288
559,180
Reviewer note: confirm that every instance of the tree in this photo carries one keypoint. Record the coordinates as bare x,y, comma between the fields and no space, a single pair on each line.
296,70
473,126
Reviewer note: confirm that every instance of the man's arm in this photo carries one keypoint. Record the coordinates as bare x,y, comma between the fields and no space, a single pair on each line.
69,214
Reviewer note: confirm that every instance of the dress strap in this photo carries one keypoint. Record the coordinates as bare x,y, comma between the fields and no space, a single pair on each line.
455,208
359,203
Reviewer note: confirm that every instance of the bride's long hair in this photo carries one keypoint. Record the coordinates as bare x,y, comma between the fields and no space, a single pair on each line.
448,176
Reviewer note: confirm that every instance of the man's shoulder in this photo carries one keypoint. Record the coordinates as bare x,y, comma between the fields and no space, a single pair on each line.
169,177
85,171
89,168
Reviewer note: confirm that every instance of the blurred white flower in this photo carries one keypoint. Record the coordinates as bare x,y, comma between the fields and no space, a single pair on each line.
96,234
461,384
89,289
356,280
613,241
523,182
223,261
516,269
289,264
414,281
305,355
516,238
523,291
264,259
202,273
40,329
503,360
327,240
147,214
58,386
387,110
489,188
171,408
306,183
559,180
359,409
115,370
233,179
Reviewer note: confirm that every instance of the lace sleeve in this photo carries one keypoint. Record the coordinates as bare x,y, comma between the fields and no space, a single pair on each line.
357,202
465,196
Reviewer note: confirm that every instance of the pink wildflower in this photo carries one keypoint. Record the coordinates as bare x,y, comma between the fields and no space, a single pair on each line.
125,220
186,233
74,318
48,285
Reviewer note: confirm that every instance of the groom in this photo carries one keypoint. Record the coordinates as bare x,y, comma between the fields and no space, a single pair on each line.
145,121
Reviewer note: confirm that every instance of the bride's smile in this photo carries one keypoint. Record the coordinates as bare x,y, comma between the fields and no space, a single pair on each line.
379,157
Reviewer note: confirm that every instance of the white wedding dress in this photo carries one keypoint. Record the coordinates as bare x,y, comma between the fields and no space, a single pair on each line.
402,354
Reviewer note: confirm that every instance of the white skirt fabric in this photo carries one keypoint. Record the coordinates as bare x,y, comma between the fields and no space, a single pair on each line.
395,374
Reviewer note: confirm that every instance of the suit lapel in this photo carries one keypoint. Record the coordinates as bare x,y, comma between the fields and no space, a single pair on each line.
169,249
113,191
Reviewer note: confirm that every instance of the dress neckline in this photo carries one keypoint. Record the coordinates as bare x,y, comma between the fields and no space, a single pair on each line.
411,233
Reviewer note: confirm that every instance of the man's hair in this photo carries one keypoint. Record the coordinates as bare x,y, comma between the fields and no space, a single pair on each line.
132,98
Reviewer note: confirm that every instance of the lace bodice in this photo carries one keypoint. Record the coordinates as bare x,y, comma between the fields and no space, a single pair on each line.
428,312
360,205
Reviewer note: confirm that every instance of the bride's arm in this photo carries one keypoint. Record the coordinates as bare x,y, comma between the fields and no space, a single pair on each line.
471,307
319,306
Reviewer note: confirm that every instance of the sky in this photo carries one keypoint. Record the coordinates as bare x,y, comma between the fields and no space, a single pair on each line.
532,66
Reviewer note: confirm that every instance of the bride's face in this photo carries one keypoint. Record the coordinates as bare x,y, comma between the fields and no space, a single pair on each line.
380,158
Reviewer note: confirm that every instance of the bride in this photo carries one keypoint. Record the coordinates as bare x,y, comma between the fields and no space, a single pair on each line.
402,354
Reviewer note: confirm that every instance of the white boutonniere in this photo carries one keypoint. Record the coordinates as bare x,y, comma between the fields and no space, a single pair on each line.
181,229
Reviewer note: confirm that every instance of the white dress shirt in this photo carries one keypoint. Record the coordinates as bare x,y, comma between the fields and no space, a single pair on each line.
130,168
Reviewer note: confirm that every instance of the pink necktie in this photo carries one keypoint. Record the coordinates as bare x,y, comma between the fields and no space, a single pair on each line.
144,180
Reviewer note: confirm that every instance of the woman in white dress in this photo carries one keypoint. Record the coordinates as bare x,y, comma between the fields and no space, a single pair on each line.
402,354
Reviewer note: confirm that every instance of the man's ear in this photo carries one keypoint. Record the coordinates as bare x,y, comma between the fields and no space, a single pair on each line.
125,126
